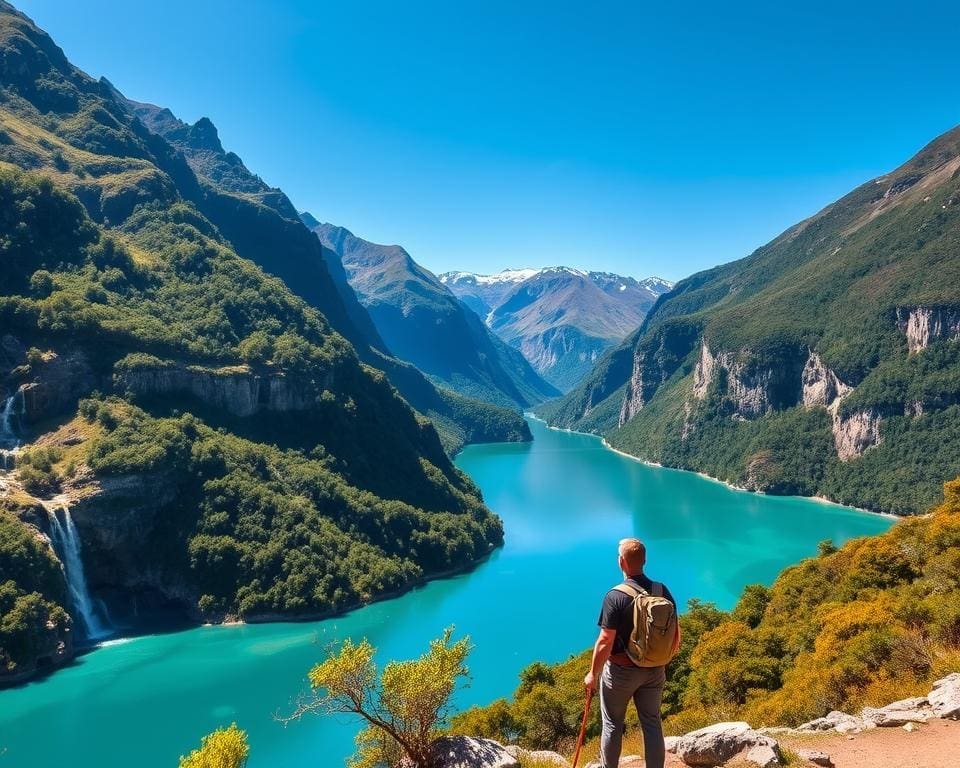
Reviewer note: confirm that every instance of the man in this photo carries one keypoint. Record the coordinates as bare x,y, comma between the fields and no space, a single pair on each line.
617,677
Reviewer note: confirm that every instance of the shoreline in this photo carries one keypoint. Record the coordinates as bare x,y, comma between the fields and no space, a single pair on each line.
705,476
83,650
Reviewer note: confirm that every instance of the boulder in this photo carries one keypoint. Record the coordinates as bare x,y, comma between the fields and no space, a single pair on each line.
910,727
764,755
840,722
816,757
541,756
670,743
468,752
716,744
916,710
945,697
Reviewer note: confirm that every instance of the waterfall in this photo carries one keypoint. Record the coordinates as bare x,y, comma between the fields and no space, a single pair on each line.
9,442
66,542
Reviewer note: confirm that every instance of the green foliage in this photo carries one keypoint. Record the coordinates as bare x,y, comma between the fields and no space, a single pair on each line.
404,707
224,748
262,531
32,594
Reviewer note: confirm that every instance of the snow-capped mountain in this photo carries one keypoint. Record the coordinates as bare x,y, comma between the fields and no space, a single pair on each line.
562,319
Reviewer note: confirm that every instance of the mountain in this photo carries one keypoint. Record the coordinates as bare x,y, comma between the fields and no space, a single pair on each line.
180,430
422,322
307,265
561,319
825,363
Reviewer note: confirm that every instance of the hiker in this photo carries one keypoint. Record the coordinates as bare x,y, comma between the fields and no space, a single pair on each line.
629,666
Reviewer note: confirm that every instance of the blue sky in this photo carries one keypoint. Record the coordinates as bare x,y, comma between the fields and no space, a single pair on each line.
636,137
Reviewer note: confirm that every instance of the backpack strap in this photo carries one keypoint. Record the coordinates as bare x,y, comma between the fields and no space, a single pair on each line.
632,591
656,589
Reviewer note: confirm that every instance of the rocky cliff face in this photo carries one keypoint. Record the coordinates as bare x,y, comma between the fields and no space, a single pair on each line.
653,364
50,382
751,387
116,517
238,391
925,325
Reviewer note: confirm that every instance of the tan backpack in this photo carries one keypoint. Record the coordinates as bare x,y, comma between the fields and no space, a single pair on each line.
654,632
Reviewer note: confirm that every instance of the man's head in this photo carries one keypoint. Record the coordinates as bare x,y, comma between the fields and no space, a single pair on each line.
633,556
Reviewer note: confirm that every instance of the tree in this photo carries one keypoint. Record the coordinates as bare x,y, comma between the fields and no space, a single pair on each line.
404,709
224,748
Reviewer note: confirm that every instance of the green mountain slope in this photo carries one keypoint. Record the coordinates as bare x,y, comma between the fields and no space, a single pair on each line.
824,363
279,243
423,322
217,442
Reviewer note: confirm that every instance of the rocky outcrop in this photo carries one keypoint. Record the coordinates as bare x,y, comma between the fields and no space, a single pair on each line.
116,518
915,710
925,325
239,390
718,743
655,361
50,382
856,433
468,752
820,385
945,697
751,387
816,757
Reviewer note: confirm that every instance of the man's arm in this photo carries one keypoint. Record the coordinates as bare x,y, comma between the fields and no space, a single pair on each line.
601,652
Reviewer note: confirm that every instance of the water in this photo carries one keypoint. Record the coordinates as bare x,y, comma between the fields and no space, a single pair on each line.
565,501
66,542
9,441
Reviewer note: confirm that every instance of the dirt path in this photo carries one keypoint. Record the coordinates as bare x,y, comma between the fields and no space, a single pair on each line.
935,745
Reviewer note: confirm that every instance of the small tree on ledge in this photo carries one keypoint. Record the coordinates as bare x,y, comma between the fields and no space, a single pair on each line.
404,709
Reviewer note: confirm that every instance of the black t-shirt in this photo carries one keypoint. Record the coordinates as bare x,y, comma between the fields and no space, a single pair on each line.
617,610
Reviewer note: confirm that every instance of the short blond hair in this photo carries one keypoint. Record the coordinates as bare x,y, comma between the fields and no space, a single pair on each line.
634,554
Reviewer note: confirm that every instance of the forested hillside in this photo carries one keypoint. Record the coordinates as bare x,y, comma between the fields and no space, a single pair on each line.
216,442
824,363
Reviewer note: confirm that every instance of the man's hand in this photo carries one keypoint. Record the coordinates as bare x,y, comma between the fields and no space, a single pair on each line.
589,683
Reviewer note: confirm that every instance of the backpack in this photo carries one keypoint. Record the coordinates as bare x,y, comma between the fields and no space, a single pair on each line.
651,642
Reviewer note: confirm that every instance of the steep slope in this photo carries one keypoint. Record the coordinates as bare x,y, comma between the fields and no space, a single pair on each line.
316,274
239,459
826,362
561,319
422,322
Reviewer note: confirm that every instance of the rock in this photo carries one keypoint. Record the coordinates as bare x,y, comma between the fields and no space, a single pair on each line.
916,710
766,755
820,385
924,325
541,756
468,752
816,757
670,743
857,433
836,721
945,697
718,743
910,727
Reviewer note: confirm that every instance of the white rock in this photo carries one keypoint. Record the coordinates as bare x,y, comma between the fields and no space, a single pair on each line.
816,757
467,752
763,755
910,727
832,722
670,743
916,710
718,743
945,697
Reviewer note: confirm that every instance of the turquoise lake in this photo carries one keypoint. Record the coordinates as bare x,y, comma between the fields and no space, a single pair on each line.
565,501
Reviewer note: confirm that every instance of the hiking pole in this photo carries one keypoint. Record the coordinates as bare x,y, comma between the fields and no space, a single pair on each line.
583,728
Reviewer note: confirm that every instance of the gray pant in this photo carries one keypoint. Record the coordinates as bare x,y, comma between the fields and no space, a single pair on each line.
618,685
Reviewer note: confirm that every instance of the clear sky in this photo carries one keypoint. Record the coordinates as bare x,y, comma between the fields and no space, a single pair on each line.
636,137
